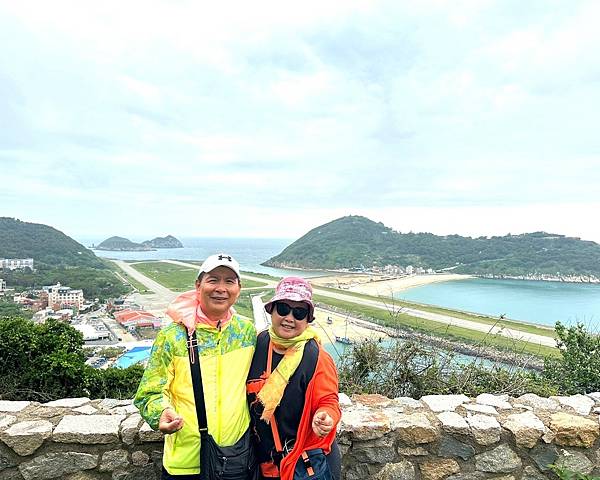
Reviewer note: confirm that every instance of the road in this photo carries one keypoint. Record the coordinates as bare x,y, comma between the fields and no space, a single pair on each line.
388,306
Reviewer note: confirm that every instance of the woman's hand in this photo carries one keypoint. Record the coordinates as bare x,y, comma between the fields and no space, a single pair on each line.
322,423
170,421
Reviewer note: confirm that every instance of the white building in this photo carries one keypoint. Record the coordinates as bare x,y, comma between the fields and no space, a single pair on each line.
409,270
2,285
59,296
16,263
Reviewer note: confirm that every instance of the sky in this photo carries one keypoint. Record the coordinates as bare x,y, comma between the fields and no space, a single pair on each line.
267,119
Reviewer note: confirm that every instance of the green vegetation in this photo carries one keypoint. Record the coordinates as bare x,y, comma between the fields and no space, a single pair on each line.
174,277
503,323
243,306
140,287
246,283
57,258
564,473
402,320
409,368
122,245
577,370
44,362
10,309
178,277
95,283
357,242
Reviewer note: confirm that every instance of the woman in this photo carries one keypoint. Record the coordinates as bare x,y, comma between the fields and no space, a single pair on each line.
293,391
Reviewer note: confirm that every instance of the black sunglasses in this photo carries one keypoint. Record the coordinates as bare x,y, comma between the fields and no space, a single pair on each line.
283,309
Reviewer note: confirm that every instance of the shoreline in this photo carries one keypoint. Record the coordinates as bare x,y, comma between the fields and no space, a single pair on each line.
383,285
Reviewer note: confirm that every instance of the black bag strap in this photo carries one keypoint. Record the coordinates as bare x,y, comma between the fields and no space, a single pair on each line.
194,358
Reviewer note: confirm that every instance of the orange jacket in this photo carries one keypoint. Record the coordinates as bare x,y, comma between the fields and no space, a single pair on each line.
321,394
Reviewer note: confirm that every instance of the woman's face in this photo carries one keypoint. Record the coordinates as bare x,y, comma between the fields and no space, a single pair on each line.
287,326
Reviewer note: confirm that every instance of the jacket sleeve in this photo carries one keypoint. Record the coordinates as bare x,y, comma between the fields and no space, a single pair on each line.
153,395
325,395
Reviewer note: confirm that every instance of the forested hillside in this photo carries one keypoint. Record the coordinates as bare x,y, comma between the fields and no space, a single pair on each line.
57,258
356,242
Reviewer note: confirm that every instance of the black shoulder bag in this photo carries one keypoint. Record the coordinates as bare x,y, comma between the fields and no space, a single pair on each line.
236,462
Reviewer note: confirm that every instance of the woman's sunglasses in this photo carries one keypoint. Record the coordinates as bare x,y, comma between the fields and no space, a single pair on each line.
283,309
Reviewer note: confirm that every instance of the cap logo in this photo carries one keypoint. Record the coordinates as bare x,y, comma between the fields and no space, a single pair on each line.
225,257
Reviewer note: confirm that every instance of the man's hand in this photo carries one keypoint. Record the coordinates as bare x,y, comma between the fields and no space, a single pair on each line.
322,423
170,421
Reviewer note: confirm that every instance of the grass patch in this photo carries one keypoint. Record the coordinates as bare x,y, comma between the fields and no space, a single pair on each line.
174,277
140,287
252,284
484,319
266,276
383,317
243,306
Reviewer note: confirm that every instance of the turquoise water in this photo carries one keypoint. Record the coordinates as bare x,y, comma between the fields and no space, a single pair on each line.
531,301
133,356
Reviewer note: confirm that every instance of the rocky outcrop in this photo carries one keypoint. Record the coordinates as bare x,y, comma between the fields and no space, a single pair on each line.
435,438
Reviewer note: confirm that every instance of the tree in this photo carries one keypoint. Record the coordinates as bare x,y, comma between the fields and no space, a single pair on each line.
578,368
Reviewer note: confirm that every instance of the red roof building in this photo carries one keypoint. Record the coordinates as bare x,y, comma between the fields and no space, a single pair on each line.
137,318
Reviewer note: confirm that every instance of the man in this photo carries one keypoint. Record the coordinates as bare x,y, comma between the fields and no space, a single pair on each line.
165,396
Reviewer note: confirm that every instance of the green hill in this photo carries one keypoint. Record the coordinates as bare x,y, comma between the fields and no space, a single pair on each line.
56,258
122,244
163,242
45,244
356,242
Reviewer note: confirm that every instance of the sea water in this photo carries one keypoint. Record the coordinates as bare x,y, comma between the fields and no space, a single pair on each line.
532,301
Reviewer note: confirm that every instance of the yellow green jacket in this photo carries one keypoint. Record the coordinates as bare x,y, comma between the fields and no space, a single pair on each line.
225,357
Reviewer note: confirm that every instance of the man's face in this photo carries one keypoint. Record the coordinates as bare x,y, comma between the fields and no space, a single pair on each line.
219,289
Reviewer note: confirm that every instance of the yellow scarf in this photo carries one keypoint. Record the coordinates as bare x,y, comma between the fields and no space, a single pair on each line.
272,391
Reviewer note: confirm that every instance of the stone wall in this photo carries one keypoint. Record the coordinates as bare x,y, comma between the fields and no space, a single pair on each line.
438,437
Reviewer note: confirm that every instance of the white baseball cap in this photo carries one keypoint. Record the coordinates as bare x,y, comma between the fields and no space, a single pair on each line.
220,260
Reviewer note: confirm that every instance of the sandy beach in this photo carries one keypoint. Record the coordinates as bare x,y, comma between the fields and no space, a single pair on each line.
380,285
341,328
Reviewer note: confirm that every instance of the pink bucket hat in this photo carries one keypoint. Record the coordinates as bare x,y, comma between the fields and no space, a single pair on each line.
296,289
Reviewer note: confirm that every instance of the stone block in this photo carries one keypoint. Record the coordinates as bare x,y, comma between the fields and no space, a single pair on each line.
363,423
403,470
146,434
544,455
372,400
26,437
86,410
114,460
407,402
6,421
499,460
526,427
451,448
130,427
582,404
67,402
344,400
438,469
413,452
88,429
539,403
414,429
139,458
530,473
574,460
498,401
452,422
475,407
441,403
13,407
57,465
573,431
485,429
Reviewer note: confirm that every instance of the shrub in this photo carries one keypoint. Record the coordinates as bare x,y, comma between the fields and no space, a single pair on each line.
577,370
44,362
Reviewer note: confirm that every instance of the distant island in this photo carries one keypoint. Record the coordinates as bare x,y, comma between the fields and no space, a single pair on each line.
121,244
356,243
